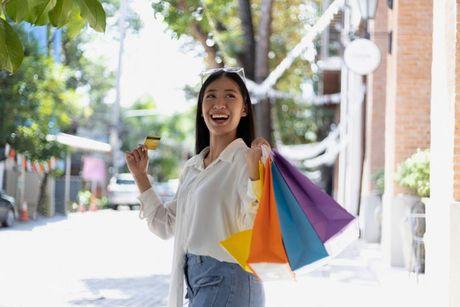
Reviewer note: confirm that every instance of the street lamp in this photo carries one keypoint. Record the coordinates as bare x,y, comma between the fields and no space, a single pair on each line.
368,8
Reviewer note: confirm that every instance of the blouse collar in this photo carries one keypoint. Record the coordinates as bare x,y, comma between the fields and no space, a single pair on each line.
227,154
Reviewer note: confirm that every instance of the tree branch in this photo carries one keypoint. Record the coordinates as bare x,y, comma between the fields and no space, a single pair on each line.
211,52
198,34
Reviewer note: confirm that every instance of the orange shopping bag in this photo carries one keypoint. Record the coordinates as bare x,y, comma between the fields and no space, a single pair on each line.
267,256
239,244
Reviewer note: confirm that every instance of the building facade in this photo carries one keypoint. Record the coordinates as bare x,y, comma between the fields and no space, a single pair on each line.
412,102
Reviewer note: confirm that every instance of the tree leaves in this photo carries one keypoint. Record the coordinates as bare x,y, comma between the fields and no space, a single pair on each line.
39,12
11,50
61,12
17,10
75,24
93,11
33,11
72,13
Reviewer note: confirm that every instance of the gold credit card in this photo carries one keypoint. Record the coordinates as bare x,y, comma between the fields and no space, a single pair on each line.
151,142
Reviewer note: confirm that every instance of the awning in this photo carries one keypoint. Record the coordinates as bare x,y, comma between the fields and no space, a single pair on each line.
79,142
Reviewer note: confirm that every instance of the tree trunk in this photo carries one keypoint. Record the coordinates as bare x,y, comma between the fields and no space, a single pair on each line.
249,43
41,205
263,41
262,69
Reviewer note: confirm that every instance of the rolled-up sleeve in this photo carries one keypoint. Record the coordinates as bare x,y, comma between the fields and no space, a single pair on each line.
161,218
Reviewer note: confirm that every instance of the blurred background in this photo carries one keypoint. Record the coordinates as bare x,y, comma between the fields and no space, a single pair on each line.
360,95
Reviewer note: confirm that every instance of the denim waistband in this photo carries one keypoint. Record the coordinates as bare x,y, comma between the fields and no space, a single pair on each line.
192,258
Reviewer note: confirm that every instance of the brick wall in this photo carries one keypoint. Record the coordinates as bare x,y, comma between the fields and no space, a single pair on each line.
410,78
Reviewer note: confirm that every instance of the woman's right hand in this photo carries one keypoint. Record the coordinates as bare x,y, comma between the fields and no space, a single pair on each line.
137,160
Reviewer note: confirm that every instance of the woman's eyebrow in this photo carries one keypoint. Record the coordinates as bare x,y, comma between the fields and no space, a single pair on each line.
227,90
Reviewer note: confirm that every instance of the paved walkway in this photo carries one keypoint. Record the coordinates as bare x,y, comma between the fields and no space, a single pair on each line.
109,258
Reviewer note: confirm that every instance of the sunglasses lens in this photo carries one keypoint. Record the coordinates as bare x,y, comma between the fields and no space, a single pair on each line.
237,70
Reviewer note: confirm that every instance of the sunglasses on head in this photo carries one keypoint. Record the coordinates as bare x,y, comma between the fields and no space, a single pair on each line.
237,70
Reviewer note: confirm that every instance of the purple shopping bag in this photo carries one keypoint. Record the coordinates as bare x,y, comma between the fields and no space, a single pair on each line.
328,218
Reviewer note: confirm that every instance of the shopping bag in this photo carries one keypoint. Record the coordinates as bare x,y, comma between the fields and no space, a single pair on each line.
301,242
335,226
267,256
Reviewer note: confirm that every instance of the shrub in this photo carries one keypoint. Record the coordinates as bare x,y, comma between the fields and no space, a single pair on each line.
379,179
414,173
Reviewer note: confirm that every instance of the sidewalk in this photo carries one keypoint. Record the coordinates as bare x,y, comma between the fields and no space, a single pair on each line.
356,278
110,258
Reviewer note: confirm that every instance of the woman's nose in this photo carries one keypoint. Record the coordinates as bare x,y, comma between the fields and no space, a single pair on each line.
219,104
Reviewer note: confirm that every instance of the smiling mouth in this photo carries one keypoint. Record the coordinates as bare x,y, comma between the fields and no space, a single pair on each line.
220,118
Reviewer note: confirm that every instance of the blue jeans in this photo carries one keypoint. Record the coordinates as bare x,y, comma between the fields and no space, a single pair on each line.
211,282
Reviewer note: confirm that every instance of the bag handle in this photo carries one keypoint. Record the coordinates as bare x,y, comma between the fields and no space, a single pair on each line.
265,153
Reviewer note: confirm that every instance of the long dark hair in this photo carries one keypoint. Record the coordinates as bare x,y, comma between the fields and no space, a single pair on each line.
245,129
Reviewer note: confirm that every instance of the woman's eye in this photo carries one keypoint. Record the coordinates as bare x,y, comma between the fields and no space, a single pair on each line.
210,96
230,96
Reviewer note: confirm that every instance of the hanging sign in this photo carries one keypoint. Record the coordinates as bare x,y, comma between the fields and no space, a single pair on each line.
362,56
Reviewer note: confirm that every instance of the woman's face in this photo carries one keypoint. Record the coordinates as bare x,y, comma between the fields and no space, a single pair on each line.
223,106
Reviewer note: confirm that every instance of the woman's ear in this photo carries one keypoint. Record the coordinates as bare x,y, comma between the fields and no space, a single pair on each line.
244,112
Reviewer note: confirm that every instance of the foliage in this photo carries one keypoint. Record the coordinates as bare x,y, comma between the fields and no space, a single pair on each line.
74,14
57,172
132,20
34,102
103,202
379,179
414,173
299,123
174,131
84,197
220,24
32,142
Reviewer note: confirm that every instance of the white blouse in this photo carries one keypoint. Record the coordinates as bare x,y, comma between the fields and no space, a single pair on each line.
210,204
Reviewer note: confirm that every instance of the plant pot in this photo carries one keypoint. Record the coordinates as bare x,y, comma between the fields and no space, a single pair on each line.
419,229
401,232
370,218
413,229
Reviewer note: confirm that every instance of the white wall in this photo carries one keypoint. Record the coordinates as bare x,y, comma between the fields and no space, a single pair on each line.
443,215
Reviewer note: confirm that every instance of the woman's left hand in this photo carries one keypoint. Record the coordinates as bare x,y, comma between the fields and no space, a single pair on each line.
253,156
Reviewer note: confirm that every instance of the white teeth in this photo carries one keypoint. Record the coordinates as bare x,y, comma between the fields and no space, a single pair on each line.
219,116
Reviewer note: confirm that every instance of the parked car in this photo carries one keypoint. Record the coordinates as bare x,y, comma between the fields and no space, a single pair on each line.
122,191
7,210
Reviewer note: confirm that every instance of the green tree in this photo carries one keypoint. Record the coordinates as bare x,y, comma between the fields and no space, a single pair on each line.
256,35
34,102
74,14
37,93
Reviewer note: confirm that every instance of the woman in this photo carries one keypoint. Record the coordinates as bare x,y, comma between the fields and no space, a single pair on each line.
214,198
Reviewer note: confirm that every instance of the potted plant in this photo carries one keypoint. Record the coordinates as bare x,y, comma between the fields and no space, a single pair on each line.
84,200
379,179
414,174
371,214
